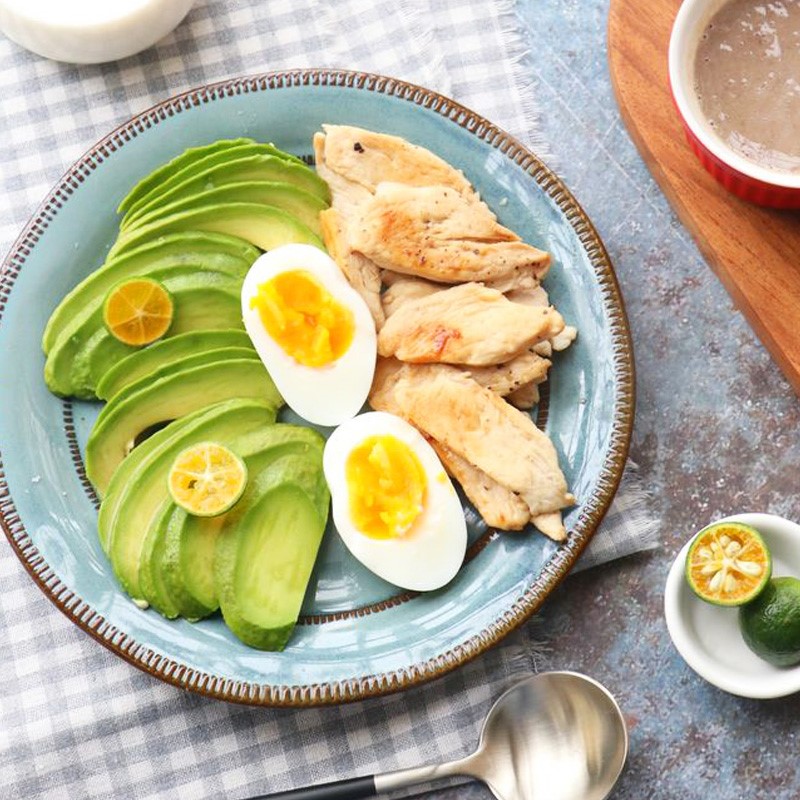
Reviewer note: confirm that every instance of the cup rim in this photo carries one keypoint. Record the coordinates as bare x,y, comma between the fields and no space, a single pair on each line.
691,16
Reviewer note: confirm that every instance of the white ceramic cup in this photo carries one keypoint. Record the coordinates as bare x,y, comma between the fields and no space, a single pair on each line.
89,31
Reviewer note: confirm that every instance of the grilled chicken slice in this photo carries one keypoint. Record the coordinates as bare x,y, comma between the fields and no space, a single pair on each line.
360,272
436,233
508,378
499,507
466,324
347,198
368,158
525,397
486,431
551,525
402,289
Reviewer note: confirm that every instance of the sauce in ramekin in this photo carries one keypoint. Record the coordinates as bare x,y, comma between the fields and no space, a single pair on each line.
747,78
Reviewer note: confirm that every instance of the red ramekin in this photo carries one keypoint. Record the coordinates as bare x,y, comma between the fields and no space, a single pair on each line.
766,187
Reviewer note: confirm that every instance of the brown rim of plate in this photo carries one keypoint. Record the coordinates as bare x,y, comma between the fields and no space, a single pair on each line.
554,571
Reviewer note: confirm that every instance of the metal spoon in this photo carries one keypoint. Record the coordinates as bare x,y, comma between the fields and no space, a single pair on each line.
553,736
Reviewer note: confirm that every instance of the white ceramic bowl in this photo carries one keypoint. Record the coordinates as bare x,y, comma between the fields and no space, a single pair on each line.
744,178
708,637
89,31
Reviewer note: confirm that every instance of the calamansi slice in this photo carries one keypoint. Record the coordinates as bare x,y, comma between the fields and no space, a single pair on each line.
207,479
138,311
728,564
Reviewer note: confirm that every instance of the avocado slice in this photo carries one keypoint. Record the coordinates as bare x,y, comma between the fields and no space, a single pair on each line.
167,351
187,251
302,205
264,561
201,300
191,162
189,156
180,392
264,226
188,565
194,360
139,490
252,168
151,571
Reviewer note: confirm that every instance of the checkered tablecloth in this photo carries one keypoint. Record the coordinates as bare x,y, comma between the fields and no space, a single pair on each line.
75,720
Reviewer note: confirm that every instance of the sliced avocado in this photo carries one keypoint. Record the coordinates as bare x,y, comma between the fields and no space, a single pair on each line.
189,250
190,541
167,351
193,162
124,471
264,561
300,204
151,570
177,393
189,362
190,156
264,226
201,300
139,490
236,171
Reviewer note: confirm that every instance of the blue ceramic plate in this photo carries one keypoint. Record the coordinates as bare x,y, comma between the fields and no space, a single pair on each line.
359,636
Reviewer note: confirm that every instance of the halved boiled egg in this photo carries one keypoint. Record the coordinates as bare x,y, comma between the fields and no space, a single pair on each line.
312,330
393,504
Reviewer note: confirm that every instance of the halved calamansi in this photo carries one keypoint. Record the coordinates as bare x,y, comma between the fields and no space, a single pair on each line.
138,311
207,479
728,564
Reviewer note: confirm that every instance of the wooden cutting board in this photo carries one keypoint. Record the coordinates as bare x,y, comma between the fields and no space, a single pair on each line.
755,252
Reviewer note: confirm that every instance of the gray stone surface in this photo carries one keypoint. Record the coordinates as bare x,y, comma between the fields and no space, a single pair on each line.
716,433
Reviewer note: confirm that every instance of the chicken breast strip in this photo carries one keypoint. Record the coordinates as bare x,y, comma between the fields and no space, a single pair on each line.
405,289
506,379
482,428
434,232
360,272
368,158
467,324
499,507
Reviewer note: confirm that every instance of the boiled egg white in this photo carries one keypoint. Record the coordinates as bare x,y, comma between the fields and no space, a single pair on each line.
393,504
312,330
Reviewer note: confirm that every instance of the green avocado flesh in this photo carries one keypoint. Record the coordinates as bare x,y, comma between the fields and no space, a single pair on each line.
151,568
264,226
229,174
185,346
192,162
139,489
188,566
201,301
189,362
263,563
300,204
139,407
187,251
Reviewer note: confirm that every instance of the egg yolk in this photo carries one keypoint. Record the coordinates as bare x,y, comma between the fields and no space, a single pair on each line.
386,486
305,320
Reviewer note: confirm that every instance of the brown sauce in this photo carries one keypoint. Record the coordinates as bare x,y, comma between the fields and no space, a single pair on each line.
747,78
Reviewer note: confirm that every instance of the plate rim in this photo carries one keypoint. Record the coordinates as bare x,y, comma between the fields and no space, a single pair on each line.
554,570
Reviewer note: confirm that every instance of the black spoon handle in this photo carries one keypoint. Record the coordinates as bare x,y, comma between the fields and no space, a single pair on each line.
350,789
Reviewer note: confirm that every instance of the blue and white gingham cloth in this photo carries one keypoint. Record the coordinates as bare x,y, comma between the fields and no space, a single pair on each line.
75,720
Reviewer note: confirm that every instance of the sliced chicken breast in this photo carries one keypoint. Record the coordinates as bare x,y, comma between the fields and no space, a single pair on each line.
434,232
466,324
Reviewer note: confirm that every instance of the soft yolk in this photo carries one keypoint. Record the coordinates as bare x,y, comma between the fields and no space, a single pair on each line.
302,316
386,486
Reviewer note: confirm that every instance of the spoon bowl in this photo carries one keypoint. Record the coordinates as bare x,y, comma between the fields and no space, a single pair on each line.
556,735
